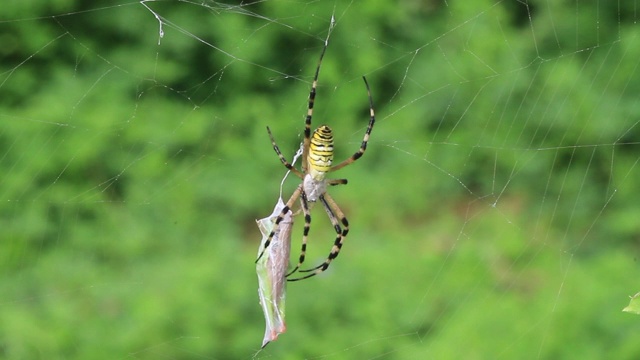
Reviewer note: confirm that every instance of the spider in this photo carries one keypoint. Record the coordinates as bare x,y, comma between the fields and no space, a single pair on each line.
317,155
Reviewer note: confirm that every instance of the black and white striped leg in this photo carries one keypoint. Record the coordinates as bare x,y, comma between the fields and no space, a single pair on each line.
282,158
285,209
307,225
367,133
340,224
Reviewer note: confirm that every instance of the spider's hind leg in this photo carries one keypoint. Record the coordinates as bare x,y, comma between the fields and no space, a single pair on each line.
279,219
307,225
341,225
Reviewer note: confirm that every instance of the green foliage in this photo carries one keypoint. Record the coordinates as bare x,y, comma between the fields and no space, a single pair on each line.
494,214
634,305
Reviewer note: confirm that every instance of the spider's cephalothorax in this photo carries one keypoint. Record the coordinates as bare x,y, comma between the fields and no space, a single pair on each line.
317,154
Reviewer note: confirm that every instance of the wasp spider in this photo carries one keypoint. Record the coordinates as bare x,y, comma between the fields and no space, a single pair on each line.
317,155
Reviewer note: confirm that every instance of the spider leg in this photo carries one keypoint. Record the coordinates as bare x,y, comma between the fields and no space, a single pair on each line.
279,219
336,216
334,182
307,121
367,133
307,225
282,158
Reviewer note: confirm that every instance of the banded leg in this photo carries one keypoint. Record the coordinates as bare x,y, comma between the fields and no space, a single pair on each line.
307,121
367,133
337,217
307,225
279,219
334,182
282,158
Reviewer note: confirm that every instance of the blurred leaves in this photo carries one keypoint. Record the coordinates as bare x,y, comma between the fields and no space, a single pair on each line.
497,195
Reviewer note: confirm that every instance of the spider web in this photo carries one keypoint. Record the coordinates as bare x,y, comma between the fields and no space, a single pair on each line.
494,215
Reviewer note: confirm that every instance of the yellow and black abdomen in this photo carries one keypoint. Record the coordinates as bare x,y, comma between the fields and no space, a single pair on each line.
320,152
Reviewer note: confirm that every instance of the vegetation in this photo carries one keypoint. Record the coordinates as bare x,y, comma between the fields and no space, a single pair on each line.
494,214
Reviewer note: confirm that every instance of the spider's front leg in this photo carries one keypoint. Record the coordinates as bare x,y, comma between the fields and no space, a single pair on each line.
284,161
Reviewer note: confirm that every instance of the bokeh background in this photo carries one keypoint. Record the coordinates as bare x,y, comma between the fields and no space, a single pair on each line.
494,215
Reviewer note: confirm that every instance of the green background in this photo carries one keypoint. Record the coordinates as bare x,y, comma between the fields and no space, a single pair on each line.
494,215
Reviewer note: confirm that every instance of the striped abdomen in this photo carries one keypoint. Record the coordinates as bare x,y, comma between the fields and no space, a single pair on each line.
320,152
